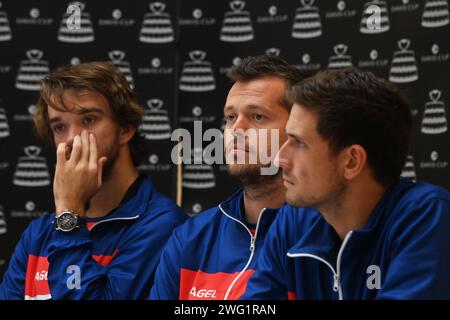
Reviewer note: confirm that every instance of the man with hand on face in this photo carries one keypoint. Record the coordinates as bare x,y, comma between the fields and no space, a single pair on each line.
105,239
377,236
213,254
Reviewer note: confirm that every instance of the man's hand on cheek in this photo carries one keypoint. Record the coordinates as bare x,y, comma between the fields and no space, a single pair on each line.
79,177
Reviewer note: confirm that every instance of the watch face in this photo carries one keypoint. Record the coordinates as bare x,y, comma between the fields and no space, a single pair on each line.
67,221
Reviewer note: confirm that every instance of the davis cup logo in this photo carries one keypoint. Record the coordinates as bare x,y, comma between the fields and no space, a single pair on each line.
434,119
3,228
156,25
4,127
196,208
340,59
198,175
117,59
409,170
404,65
32,71
307,23
274,52
197,74
237,25
31,170
156,124
76,25
5,30
435,14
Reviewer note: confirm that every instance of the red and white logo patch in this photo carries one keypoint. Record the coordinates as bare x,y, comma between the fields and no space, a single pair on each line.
36,282
200,285
36,279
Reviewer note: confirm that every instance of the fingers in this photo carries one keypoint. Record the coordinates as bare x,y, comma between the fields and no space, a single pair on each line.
76,150
101,163
85,147
61,153
93,154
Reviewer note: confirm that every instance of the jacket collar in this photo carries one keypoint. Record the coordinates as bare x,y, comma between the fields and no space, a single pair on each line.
132,207
233,205
233,208
322,240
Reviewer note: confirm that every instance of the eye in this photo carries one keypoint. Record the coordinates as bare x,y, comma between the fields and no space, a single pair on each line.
259,117
230,117
296,142
58,128
88,121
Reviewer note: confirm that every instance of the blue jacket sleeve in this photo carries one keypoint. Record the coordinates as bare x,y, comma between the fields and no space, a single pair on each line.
420,263
74,274
268,281
167,278
13,284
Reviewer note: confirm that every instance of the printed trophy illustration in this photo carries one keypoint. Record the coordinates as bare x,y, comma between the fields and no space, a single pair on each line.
32,71
3,228
434,119
32,109
197,74
196,208
31,170
76,25
375,18
404,66
156,25
340,59
116,58
435,14
409,170
273,52
198,175
307,23
155,123
237,24
5,29
4,127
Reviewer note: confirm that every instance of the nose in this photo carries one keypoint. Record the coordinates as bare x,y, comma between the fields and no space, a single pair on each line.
72,131
240,123
236,132
280,159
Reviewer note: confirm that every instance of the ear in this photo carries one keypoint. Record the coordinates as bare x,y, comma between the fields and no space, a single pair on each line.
355,159
126,133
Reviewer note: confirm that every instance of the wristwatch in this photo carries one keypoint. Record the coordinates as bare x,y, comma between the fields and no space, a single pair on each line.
67,221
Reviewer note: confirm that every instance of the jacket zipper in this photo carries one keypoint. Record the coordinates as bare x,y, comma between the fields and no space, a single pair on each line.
113,219
337,287
252,247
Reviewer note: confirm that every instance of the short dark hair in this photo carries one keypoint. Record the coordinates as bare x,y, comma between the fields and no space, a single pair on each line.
255,67
99,77
356,107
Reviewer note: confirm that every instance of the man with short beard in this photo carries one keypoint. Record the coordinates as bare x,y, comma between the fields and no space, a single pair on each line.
105,240
213,254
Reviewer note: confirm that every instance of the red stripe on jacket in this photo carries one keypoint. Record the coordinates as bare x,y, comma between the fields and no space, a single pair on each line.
200,285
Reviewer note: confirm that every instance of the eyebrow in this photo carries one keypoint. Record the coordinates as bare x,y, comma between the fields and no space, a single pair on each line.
298,138
294,135
81,111
228,108
252,107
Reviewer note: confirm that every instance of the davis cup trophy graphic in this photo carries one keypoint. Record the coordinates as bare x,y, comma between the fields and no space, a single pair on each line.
155,123
156,25
237,24
31,170
307,23
197,74
32,71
